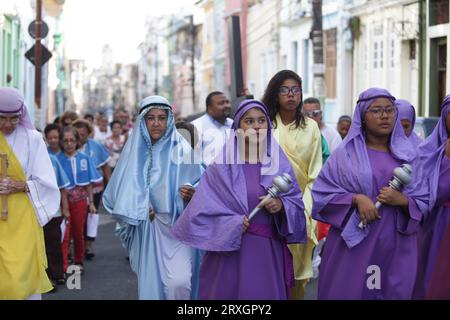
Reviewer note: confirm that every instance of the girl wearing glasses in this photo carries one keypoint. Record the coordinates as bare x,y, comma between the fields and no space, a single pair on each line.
300,139
82,174
435,155
378,261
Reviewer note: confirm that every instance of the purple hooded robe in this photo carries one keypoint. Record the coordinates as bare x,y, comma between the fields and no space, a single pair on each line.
252,265
406,111
379,261
437,172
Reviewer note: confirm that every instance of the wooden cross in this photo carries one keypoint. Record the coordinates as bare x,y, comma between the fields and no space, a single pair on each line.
4,167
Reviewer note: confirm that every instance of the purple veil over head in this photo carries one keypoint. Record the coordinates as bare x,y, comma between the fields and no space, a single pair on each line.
12,102
348,169
406,111
213,219
432,150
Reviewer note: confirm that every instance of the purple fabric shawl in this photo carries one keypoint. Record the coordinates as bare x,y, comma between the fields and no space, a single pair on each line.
432,150
348,169
213,219
406,111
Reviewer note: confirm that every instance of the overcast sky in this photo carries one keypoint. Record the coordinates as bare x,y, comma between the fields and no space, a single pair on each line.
90,24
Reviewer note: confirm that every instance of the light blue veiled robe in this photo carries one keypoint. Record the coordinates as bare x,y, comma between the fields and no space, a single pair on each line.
149,176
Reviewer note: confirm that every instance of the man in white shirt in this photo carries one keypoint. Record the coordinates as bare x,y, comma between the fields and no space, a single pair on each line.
214,127
311,108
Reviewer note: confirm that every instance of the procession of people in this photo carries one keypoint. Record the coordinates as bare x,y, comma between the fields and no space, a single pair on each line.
249,201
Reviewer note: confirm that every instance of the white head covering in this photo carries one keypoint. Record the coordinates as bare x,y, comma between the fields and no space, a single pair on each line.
12,102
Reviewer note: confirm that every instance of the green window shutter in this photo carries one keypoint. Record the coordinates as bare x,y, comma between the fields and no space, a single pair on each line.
11,52
7,39
16,53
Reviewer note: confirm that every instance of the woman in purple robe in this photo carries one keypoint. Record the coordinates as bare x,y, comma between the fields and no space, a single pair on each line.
407,116
378,261
435,155
245,259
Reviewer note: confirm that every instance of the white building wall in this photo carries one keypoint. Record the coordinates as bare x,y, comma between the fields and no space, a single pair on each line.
344,69
296,23
302,64
381,53
261,46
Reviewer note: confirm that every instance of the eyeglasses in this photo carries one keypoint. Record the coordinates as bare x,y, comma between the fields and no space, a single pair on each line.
67,141
284,91
377,112
313,113
12,120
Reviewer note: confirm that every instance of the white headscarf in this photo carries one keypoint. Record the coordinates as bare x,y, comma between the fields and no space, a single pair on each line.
11,103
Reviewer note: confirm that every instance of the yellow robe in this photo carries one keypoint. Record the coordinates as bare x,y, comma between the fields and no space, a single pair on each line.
22,248
303,147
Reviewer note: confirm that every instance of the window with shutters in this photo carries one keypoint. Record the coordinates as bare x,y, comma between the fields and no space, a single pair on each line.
392,54
438,12
378,50
9,74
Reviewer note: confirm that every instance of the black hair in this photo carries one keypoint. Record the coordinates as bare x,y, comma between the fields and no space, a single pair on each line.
270,98
311,100
157,104
50,127
88,115
111,125
210,96
344,118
